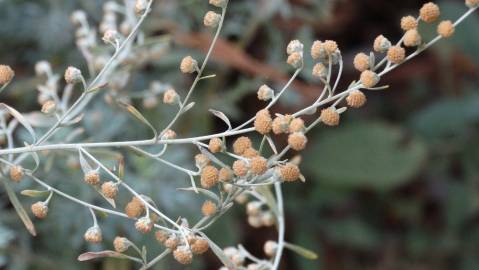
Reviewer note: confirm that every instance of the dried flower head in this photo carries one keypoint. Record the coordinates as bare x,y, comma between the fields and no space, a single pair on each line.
93,235
265,93
92,178
211,19
396,54
188,65
111,36
144,225
16,173
320,71
121,244
317,50
134,209
140,6
183,255
446,29
356,99
408,23
258,165
289,172
294,46
170,96
381,44
297,141
255,221
254,208
330,117
161,236
267,218
209,176
240,168
215,145
361,62
169,135
429,12
241,144
201,160
225,174
40,210
281,124
208,208
200,246
296,125
219,3
369,78
412,38
270,248
73,75
472,3
172,242
250,153
263,122
49,107
295,59
330,46
109,189
6,74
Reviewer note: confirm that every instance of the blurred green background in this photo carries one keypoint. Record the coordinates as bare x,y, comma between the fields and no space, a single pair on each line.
396,186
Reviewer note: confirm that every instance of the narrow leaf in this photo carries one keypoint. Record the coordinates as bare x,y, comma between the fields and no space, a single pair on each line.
188,107
222,116
20,119
306,253
138,116
220,254
19,208
101,254
35,193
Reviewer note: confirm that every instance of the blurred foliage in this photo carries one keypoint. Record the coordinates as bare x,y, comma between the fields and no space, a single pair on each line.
394,187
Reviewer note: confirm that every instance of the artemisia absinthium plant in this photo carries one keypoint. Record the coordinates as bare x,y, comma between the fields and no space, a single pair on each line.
253,177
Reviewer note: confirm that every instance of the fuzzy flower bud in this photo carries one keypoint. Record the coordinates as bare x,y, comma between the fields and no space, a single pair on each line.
396,54
265,93
92,178
412,38
219,3
16,173
240,168
429,12
330,46
263,122
215,145
381,44
330,117
140,6
40,210
250,153
472,3
183,255
172,242
200,246
408,23
445,29
134,209
209,176
294,46
73,75
49,107
369,79
225,174
208,208
295,59
109,189
296,125
241,144
361,62
270,248
111,36
356,99
169,135
144,225
170,97
188,65
6,74
289,172
297,141
93,235
121,244
281,124
161,236
320,71
211,19
317,50
258,165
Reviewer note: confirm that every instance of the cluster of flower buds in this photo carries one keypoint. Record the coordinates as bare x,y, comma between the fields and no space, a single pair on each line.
295,51
183,247
325,53
257,216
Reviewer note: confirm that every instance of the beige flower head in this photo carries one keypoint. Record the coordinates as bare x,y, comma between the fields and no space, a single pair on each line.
170,96
161,236
472,3
183,255
361,62
330,46
92,178
209,208
330,117
396,54
16,173
40,210
381,44
320,71
429,12
281,124
49,107
200,246
250,153
295,59
297,141
289,172
73,75
263,122
408,23
241,144
209,176
109,189
172,242
215,145
317,50
412,38
201,160
356,99
446,29
294,46
258,165
369,78
240,168
93,235
296,125
219,3
6,74
144,225
121,244
265,93
270,248
225,174
212,19
188,65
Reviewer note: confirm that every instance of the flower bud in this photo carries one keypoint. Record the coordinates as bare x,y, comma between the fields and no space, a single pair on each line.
200,246
73,75
209,208
183,255
270,248
92,178
219,3
109,189
6,74
40,210
93,235
265,93
188,65
16,173
49,107
294,46
121,244
144,225
211,19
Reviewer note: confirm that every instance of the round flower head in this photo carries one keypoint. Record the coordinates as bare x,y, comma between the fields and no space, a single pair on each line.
40,210
412,38
215,145
297,141
49,107
241,144
209,208
408,23
265,93
6,74
295,60
219,3
472,3
93,235
361,62
320,71
225,174
188,65
183,255
111,36
134,209
170,97
253,208
43,68
270,248
250,153
356,99
267,219
296,125
289,172
330,117
121,244
317,50
369,79
212,19
144,225
92,178
172,242
330,46
200,246
161,236
16,173
140,6
445,29
396,54
281,124
381,44
169,135
258,165
209,176
429,12
109,189
240,168
255,221
202,160
294,46
263,122
73,75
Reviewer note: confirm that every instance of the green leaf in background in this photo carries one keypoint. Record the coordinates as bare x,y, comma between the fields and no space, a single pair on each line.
373,155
